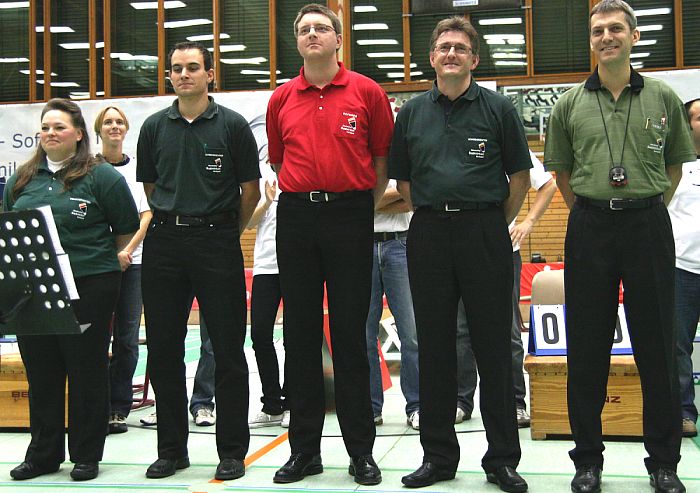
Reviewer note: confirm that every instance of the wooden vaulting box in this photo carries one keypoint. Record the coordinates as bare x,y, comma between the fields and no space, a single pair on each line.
14,393
622,413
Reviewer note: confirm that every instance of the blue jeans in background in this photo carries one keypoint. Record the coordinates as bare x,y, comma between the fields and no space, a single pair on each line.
687,315
125,341
390,276
203,391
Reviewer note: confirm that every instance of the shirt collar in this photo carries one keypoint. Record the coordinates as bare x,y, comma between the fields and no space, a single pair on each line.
636,81
209,113
341,78
472,92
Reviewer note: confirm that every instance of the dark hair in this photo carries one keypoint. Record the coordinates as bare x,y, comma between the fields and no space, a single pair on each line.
318,9
688,105
608,6
81,163
191,45
456,23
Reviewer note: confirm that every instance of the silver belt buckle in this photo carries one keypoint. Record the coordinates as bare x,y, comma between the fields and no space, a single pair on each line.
448,209
311,196
612,204
178,223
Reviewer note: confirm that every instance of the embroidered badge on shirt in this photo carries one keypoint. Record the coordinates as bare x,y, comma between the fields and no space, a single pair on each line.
350,124
80,209
477,147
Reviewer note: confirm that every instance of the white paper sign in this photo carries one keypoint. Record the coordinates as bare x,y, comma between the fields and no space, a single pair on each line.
548,331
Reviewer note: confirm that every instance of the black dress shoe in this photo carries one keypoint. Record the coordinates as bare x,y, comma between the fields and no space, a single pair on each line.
298,467
162,468
83,471
229,469
587,479
365,470
29,470
507,479
427,474
666,481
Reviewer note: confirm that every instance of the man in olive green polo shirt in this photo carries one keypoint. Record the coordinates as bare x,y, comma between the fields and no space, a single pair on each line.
617,142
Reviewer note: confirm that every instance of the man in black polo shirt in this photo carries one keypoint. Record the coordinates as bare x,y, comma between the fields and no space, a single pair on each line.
199,165
452,149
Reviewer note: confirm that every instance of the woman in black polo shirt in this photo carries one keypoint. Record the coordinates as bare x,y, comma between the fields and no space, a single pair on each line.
95,217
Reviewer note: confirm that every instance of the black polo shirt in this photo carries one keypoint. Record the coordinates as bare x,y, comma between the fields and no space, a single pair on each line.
196,167
460,150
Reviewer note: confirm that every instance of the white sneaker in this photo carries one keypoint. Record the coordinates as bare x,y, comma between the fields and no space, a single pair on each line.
523,418
413,420
150,420
204,417
285,419
461,416
263,419
378,420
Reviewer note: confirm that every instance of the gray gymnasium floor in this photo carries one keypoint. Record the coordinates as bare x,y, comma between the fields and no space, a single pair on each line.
545,464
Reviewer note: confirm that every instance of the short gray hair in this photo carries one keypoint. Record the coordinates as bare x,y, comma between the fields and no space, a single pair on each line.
607,6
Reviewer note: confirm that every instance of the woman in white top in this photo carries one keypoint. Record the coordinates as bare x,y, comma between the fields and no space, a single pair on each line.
111,126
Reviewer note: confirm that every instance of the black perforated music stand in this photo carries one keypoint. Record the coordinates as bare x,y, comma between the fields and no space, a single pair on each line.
34,299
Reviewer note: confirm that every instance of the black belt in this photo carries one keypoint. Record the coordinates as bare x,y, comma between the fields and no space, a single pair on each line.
321,196
616,204
395,235
180,220
457,206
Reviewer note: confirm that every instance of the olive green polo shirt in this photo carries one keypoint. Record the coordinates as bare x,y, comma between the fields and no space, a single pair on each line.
97,207
658,135
460,150
197,167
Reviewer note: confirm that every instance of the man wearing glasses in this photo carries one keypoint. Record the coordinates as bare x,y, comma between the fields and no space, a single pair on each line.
329,132
460,155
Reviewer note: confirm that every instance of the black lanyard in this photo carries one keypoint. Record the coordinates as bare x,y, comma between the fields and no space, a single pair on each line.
607,137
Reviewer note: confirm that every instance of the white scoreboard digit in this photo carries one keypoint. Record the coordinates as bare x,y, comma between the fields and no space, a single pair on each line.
548,331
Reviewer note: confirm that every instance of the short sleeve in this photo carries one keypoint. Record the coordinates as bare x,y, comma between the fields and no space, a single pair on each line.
399,161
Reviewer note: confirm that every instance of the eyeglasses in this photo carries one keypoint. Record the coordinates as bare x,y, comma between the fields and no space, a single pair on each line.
460,49
318,29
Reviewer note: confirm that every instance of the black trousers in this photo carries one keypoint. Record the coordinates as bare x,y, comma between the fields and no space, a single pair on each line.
204,261
327,243
603,248
463,254
83,358
264,302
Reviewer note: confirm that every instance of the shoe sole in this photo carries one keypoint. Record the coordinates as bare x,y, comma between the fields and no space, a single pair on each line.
263,425
205,423
311,470
491,478
416,484
179,465
598,490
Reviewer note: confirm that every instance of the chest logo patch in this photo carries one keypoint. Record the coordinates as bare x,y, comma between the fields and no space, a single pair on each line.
658,147
477,147
214,166
80,208
348,123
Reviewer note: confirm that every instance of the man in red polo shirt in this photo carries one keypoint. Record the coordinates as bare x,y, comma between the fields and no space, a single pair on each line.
329,132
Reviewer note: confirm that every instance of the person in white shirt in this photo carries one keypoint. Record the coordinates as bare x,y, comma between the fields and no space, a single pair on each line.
684,210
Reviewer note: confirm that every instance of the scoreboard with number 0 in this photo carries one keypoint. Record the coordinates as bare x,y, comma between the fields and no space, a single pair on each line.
548,331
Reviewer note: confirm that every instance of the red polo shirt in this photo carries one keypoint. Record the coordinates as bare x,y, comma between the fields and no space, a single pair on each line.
326,138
